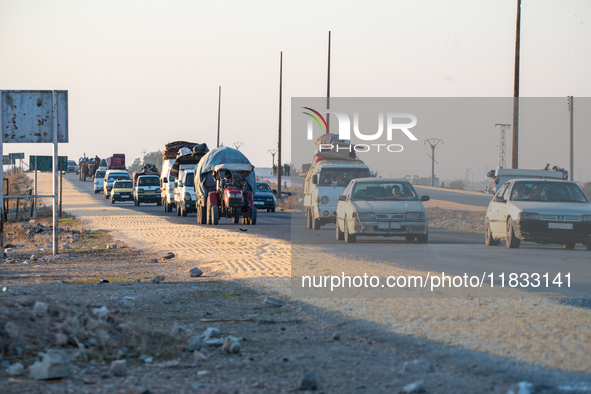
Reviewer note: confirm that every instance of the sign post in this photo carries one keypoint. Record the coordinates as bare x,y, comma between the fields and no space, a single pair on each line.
34,116
45,163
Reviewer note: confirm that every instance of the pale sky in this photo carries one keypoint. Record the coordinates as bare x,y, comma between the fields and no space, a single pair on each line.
143,73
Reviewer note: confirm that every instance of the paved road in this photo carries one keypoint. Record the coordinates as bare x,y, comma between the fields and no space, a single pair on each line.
453,252
462,198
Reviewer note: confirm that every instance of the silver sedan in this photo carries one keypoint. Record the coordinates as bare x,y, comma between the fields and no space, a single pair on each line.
381,207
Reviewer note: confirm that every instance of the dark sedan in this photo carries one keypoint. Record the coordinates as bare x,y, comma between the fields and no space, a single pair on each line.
264,198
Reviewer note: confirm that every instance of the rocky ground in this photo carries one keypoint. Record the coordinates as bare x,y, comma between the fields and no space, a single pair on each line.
62,330
456,219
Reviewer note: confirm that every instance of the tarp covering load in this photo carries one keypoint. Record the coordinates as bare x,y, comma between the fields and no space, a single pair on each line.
185,156
147,169
174,148
224,158
330,147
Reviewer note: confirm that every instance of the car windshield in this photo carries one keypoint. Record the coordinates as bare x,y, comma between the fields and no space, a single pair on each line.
149,181
263,187
399,191
100,174
190,179
341,176
123,185
548,192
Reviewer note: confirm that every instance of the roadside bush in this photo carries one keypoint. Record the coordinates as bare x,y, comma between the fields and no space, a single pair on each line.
456,184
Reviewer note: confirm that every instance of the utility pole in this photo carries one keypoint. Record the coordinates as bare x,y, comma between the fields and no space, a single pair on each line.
515,147
219,109
433,142
279,131
503,144
571,104
328,86
272,152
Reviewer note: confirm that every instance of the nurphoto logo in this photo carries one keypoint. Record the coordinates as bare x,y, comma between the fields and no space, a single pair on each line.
390,124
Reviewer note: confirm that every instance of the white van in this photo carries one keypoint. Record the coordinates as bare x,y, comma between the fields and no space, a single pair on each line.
184,192
99,181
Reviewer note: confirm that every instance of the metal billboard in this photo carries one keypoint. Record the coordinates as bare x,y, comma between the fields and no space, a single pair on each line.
27,116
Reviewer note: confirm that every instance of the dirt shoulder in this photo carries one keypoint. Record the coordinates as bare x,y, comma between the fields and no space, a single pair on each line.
58,304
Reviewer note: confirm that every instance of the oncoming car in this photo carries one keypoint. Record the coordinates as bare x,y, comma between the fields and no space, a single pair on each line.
542,211
381,207
122,191
264,197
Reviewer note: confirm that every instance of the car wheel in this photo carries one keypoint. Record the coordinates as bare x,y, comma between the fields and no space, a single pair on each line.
588,245
106,196
253,216
315,224
235,219
409,238
158,203
272,209
423,238
569,245
308,220
183,212
112,201
488,238
340,235
215,215
512,241
349,238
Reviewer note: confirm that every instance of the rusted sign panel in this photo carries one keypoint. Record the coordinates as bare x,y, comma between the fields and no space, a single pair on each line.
28,116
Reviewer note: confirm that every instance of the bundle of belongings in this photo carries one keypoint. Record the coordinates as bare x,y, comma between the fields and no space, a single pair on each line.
179,148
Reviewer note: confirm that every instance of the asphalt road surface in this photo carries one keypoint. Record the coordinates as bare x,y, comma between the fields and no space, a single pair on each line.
462,198
453,252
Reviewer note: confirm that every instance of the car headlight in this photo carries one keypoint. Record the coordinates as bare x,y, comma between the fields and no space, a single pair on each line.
235,195
187,196
415,215
364,215
269,199
324,199
158,190
140,190
529,216
586,218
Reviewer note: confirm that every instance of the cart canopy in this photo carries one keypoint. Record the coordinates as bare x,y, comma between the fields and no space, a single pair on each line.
224,158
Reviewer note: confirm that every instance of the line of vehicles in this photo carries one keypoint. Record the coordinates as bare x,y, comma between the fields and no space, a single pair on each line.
528,205
539,206
212,184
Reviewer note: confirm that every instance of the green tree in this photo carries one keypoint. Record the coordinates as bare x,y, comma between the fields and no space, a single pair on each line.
135,166
154,158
